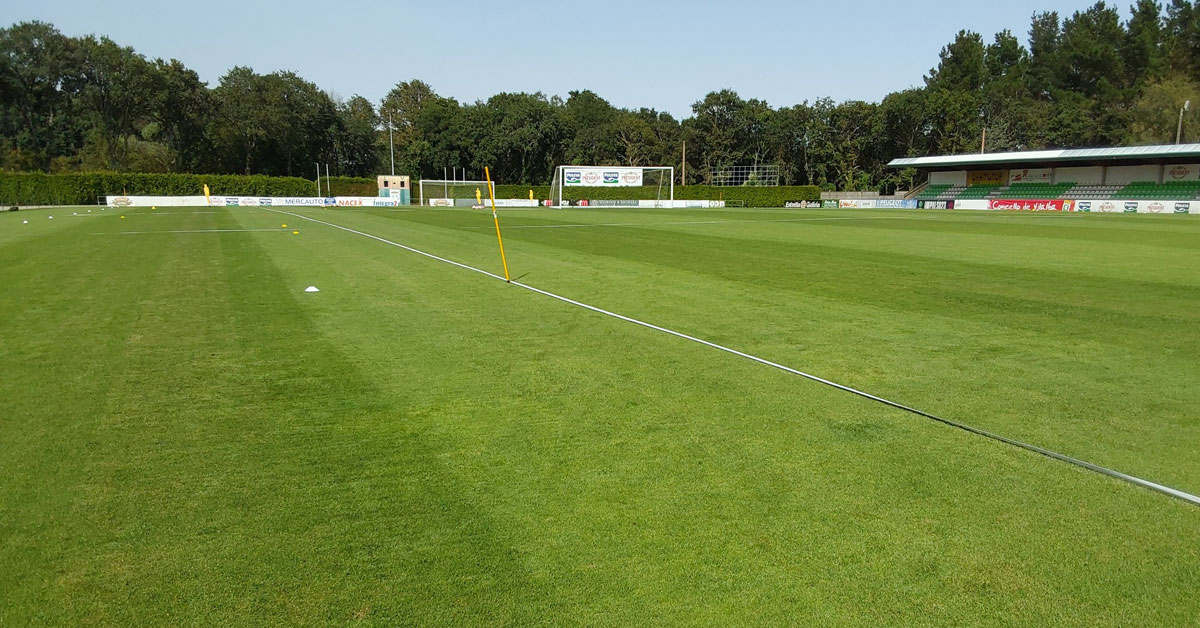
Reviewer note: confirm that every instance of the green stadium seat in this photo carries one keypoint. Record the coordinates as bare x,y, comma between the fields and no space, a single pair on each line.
1035,190
1170,190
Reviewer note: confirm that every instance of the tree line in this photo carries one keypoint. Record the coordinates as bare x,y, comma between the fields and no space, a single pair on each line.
71,104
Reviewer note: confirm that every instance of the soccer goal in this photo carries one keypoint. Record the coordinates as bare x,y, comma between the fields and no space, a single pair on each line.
613,186
442,193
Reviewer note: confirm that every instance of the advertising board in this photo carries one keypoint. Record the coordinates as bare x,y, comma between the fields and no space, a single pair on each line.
987,177
1032,205
603,177
125,200
895,204
1031,175
1181,172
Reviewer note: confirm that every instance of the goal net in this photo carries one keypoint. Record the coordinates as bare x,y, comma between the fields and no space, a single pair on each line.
613,186
441,193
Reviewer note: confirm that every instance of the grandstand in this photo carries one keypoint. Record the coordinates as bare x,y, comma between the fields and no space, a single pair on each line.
1128,173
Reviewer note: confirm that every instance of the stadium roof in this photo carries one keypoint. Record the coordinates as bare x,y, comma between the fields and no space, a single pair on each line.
1126,155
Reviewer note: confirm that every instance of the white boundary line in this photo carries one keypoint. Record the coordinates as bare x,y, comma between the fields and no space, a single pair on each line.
1166,490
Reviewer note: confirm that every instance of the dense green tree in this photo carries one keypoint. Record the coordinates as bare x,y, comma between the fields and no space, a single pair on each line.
117,91
1090,51
182,106
1181,41
1143,52
1045,62
594,129
358,130
1155,115
1093,79
38,73
963,66
241,124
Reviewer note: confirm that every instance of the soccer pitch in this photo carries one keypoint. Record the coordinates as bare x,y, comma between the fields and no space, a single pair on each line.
188,438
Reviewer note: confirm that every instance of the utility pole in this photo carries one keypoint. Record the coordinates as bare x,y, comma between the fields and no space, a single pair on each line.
983,142
391,144
328,189
318,179
1187,104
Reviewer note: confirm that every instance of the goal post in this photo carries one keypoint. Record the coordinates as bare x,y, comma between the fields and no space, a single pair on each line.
613,186
444,193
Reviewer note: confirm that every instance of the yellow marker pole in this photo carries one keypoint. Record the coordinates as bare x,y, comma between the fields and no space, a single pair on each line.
492,194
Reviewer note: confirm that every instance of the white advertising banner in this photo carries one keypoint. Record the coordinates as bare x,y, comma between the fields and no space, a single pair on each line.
1139,207
269,201
153,201
602,177
1031,175
681,204
250,201
506,202
303,201
971,203
364,201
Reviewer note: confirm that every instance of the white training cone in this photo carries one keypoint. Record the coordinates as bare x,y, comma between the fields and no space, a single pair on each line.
24,222
50,218
311,289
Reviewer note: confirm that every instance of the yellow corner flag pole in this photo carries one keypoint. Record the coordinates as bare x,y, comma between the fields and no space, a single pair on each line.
492,194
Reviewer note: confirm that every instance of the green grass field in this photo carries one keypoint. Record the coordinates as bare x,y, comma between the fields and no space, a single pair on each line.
187,438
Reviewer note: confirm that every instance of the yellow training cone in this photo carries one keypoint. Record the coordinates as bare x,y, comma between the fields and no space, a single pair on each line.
284,226
295,233
122,218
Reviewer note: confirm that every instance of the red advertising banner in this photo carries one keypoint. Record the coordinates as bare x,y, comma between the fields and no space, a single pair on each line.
1032,205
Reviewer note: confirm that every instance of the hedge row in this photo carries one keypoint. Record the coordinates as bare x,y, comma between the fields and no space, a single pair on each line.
35,188
751,196
84,189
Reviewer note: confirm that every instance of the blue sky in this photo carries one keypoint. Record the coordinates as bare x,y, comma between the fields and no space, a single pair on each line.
664,55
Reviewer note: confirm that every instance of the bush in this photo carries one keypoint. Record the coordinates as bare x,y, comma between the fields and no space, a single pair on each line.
35,188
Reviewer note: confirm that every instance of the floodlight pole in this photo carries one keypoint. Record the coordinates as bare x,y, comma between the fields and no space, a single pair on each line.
1187,104
391,144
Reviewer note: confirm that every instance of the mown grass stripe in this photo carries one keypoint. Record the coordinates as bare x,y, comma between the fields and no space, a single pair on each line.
1137,481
